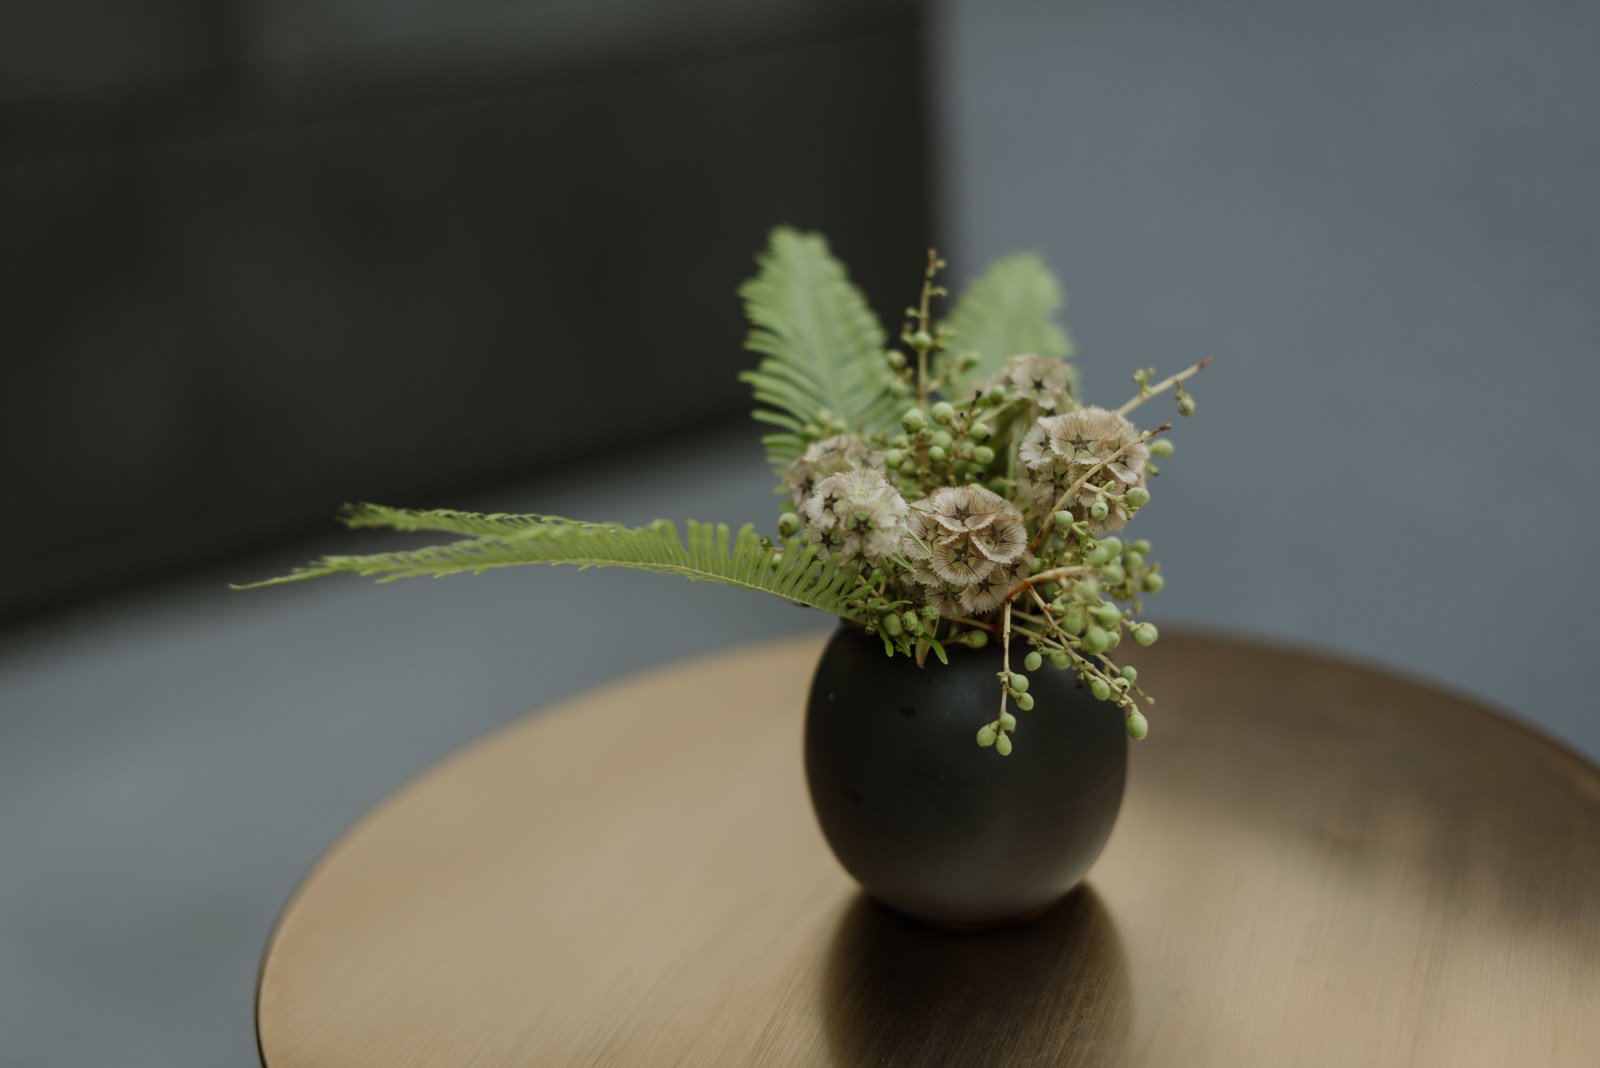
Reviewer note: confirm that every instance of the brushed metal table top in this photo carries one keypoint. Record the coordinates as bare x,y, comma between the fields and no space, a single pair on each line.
1316,863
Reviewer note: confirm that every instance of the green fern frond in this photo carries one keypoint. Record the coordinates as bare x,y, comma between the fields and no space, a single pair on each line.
364,516
821,347
1008,311
713,553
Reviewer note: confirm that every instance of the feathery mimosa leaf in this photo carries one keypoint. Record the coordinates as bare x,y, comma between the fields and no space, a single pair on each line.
712,553
821,347
1008,311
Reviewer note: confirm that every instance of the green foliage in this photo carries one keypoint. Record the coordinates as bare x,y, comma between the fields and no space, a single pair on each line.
822,349
713,553
1008,311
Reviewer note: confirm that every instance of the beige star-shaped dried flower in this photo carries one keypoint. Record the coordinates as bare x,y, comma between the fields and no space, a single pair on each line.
1060,450
856,514
965,538
827,457
1043,381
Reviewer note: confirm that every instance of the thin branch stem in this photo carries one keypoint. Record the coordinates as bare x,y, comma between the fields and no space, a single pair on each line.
1048,576
923,318
1005,661
1146,392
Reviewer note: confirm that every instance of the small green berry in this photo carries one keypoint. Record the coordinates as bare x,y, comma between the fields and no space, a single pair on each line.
1137,497
986,735
1113,545
979,431
930,612
1099,510
1161,447
1096,640
896,358
894,458
1138,726
1113,574
788,524
1145,634
1100,688
976,639
1133,560
1059,660
1130,673
892,625
983,456
1185,404
1106,614
942,439
994,394
1019,683
913,622
1153,582
913,420
942,413
1032,660
1024,701
935,454
1002,745
1008,722
922,340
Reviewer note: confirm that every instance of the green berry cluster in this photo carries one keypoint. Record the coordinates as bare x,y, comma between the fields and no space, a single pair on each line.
942,445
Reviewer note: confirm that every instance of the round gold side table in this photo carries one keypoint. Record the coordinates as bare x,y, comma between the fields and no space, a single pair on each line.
1317,864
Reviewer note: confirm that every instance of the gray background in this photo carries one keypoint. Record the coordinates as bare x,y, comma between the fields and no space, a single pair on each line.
258,252
1381,219
1378,217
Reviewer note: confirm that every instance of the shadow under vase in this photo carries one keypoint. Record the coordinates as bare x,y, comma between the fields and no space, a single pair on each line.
1052,991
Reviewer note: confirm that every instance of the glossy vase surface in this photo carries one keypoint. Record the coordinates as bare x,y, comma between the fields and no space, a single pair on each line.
930,823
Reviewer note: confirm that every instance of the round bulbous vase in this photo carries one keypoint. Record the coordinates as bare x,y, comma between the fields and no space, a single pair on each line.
930,823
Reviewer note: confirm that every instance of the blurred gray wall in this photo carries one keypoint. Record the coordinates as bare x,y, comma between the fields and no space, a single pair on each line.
1382,219
256,256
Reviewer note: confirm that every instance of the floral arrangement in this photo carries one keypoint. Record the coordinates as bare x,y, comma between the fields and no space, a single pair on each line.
952,491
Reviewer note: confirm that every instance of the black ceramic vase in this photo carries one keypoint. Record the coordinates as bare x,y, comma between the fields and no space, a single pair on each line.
933,825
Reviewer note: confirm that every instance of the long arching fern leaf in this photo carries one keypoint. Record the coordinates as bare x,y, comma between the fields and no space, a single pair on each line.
821,347
1008,311
713,553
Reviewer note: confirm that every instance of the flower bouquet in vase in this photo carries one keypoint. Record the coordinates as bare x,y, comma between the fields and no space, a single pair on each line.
960,509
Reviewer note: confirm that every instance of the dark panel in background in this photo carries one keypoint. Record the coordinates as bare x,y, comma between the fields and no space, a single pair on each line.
263,261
